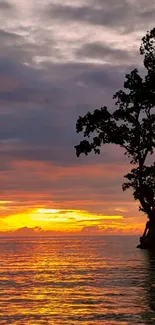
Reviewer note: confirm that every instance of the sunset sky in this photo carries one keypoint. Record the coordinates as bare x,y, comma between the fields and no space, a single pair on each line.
59,59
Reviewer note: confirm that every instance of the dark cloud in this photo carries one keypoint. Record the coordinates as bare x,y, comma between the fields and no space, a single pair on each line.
125,15
103,51
39,109
26,44
51,99
112,15
8,36
6,6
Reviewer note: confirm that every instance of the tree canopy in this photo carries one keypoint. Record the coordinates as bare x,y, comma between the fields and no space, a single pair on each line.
131,126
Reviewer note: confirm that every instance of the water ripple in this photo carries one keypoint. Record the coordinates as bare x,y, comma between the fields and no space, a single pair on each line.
54,281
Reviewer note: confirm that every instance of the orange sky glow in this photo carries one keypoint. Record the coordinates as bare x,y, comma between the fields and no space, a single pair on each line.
44,221
67,207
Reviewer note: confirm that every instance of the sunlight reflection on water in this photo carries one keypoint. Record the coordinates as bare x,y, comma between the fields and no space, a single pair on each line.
70,281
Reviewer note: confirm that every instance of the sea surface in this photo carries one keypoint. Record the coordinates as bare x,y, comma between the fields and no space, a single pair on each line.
80,281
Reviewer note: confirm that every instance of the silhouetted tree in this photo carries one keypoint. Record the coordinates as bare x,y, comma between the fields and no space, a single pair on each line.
132,127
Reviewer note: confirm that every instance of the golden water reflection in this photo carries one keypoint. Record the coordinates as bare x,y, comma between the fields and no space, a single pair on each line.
73,281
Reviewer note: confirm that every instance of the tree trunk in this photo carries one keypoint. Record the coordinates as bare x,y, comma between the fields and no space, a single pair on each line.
147,241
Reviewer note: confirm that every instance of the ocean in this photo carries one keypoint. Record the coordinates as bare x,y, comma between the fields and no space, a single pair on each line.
76,281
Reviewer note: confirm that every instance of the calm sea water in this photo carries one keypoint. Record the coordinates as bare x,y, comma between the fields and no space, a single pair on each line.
86,281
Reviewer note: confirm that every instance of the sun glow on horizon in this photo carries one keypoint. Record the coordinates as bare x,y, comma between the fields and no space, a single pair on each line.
48,210
56,219
49,219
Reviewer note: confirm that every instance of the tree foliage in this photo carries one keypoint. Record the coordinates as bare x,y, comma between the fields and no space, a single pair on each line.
131,126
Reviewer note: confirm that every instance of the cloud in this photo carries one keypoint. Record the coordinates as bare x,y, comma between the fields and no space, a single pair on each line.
29,232
123,15
39,108
91,230
9,37
105,52
6,6
113,15
33,40
25,231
